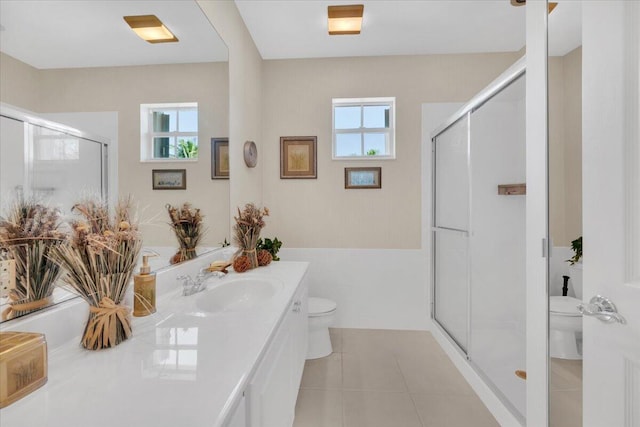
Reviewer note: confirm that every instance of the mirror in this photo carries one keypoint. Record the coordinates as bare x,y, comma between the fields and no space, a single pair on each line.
94,76
565,213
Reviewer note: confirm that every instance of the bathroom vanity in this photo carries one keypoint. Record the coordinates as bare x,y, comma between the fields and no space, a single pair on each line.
231,355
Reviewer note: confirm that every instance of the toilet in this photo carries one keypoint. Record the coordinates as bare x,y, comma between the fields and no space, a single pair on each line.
565,321
321,315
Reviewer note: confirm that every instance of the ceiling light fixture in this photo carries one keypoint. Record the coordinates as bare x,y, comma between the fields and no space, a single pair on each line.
345,19
552,5
150,28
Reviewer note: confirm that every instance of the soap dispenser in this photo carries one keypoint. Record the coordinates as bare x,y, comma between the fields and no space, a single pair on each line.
144,290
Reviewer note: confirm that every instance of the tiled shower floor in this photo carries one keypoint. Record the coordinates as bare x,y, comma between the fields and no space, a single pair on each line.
383,378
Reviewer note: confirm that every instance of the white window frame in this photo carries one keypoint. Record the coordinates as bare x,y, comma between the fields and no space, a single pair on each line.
147,134
362,102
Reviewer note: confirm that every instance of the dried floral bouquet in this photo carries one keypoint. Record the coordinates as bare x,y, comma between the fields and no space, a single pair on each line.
99,258
186,223
249,223
27,235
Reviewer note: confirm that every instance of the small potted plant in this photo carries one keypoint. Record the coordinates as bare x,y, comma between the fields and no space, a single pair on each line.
575,267
186,223
271,246
28,235
576,247
98,258
246,232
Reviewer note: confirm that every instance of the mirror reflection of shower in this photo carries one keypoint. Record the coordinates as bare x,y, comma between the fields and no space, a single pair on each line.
565,215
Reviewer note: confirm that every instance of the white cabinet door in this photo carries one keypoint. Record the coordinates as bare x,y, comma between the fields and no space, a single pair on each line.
273,390
300,335
270,389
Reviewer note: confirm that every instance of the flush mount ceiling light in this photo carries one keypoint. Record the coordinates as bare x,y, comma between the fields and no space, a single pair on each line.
150,28
524,2
345,19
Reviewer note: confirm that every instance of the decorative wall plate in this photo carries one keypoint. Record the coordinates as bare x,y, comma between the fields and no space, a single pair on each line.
250,154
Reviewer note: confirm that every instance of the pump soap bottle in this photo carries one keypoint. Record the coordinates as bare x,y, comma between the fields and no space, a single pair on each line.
144,290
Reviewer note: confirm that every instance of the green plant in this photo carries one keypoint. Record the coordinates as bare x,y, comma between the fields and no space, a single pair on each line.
187,149
373,152
272,246
576,247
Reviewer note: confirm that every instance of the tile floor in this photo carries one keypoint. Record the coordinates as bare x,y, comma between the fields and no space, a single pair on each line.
565,393
382,378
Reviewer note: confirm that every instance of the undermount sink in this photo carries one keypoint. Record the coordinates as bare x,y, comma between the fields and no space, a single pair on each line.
238,294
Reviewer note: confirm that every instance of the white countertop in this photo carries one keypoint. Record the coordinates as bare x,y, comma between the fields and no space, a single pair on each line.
182,367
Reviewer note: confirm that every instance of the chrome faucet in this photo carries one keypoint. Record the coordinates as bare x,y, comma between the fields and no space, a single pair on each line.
193,286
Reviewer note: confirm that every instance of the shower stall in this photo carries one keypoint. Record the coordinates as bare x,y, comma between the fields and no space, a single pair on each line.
49,161
478,234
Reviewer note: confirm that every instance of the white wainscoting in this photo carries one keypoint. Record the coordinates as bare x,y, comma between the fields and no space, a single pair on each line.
374,288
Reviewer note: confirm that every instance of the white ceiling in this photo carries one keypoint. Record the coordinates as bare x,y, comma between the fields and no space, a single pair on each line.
92,33
298,28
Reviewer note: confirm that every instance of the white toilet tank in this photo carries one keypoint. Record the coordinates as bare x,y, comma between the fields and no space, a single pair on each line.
575,273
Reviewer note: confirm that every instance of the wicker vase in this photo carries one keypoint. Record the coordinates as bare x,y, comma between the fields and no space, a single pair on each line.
109,324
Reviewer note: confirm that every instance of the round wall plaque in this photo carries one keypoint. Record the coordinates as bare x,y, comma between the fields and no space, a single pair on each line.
250,154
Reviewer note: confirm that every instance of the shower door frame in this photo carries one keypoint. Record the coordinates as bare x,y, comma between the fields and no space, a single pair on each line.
513,73
30,121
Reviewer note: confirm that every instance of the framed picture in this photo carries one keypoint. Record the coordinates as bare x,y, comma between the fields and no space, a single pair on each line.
219,158
298,157
362,178
169,179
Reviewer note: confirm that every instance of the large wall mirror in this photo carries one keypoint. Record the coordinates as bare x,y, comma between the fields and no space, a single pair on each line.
565,213
80,65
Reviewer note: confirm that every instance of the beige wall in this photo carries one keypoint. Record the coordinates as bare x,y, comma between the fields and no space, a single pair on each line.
123,89
565,147
320,213
19,83
245,101
573,143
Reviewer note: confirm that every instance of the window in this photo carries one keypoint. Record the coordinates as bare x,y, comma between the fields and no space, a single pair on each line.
364,128
169,131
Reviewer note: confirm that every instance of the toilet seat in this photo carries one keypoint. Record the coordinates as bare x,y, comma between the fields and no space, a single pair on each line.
321,306
564,306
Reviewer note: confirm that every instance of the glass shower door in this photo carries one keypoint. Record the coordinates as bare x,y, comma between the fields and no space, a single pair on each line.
65,167
450,231
497,244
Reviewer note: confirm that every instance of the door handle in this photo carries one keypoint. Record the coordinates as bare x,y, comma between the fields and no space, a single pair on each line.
603,309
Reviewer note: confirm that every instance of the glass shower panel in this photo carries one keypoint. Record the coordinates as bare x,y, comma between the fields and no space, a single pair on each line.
11,159
65,167
451,308
451,176
497,243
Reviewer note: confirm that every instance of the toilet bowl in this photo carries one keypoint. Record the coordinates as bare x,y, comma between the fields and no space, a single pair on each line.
565,328
321,315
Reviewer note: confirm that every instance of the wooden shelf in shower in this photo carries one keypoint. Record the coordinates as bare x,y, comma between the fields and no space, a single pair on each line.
512,189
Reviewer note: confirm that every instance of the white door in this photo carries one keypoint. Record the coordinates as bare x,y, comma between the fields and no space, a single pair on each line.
611,210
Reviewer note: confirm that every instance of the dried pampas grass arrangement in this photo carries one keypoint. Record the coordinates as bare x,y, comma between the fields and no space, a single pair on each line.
249,223
28,233
186,223
99,258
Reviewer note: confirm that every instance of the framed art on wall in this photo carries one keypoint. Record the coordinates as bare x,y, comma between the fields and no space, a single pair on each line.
219,158
366,177
169,179
298,158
